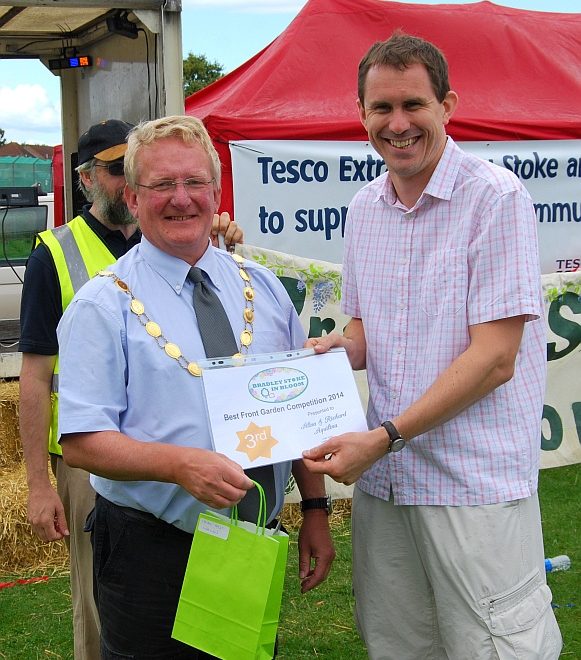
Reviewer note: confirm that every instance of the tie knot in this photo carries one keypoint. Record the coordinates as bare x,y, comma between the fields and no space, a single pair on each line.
196,275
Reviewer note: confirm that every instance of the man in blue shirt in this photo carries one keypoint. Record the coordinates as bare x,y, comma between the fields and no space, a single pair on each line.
102,232
134,415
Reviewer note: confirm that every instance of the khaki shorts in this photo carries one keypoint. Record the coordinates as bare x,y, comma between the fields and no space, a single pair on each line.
465,583
78,499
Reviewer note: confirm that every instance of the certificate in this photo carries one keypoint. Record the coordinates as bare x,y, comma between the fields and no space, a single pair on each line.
273,407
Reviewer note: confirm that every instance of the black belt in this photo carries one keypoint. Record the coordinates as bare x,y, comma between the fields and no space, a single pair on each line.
149,519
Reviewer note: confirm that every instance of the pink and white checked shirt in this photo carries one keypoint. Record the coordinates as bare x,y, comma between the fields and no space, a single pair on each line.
466,253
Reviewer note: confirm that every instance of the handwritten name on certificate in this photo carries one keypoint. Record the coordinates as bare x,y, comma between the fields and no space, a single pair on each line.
264,413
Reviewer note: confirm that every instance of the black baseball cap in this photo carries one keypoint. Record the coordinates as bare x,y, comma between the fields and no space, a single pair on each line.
106,141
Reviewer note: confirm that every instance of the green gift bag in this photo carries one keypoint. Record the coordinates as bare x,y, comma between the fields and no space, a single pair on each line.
230,600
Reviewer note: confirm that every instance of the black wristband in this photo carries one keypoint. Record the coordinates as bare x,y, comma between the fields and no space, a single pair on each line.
317,503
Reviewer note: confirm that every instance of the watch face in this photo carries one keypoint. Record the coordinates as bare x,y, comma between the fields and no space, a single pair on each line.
329,504
397,445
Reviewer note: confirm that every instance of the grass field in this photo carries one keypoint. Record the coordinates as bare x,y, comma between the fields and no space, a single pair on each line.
35,619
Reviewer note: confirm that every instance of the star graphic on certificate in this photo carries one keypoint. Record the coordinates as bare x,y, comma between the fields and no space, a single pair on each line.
256,441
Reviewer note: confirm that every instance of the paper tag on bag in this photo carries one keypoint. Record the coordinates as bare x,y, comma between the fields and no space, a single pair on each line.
213,528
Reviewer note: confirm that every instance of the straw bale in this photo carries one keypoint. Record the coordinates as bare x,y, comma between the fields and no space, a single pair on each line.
20,549
10,448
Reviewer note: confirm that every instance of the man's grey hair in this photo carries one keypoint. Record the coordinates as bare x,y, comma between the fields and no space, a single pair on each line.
190,129
88,167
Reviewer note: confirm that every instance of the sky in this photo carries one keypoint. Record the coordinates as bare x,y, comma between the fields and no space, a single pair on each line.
229,32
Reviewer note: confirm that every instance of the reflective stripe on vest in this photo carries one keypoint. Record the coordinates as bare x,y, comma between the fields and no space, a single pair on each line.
73,257
78,253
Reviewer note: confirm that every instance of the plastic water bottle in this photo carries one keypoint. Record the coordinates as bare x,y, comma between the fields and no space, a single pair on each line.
560,563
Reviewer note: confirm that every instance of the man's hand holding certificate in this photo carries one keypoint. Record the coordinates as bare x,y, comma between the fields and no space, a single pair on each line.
270,410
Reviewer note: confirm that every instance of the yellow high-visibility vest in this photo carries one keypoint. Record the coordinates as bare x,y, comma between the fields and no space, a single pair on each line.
78,254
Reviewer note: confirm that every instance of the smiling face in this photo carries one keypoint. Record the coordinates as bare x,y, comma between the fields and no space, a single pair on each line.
405,123
177,222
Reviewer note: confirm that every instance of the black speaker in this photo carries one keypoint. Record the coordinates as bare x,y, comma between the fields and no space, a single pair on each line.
19,196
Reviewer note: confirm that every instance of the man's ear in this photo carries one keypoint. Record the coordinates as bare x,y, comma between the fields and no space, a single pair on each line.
449,103
217,197
131,200
362,115
85,176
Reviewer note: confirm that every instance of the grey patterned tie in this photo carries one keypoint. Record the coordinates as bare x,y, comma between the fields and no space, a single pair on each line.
219,341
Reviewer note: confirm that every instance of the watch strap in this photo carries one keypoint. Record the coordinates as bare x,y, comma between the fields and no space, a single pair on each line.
392,433
317,503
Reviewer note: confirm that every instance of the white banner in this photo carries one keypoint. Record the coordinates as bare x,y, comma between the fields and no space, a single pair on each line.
561,431
293,195
315,289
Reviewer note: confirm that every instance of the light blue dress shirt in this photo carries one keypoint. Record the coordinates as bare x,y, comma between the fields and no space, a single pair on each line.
115,377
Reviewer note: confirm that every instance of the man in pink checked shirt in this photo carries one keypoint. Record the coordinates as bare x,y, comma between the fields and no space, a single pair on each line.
441,277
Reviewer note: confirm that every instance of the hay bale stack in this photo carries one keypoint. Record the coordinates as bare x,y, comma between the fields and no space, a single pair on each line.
10,448
20,549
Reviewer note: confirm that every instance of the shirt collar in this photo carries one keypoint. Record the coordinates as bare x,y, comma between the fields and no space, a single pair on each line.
442,182
209,263
174,270
388,192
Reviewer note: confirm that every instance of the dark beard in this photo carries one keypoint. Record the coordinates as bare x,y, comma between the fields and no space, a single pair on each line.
114,211
117,213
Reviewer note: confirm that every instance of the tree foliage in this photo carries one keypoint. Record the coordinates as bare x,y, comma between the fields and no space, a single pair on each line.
199,72
2,138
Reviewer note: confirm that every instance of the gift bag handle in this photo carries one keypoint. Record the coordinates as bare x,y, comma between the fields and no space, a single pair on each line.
261,521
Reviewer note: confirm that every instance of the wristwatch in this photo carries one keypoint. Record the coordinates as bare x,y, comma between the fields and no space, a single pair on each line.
396,442
325,503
